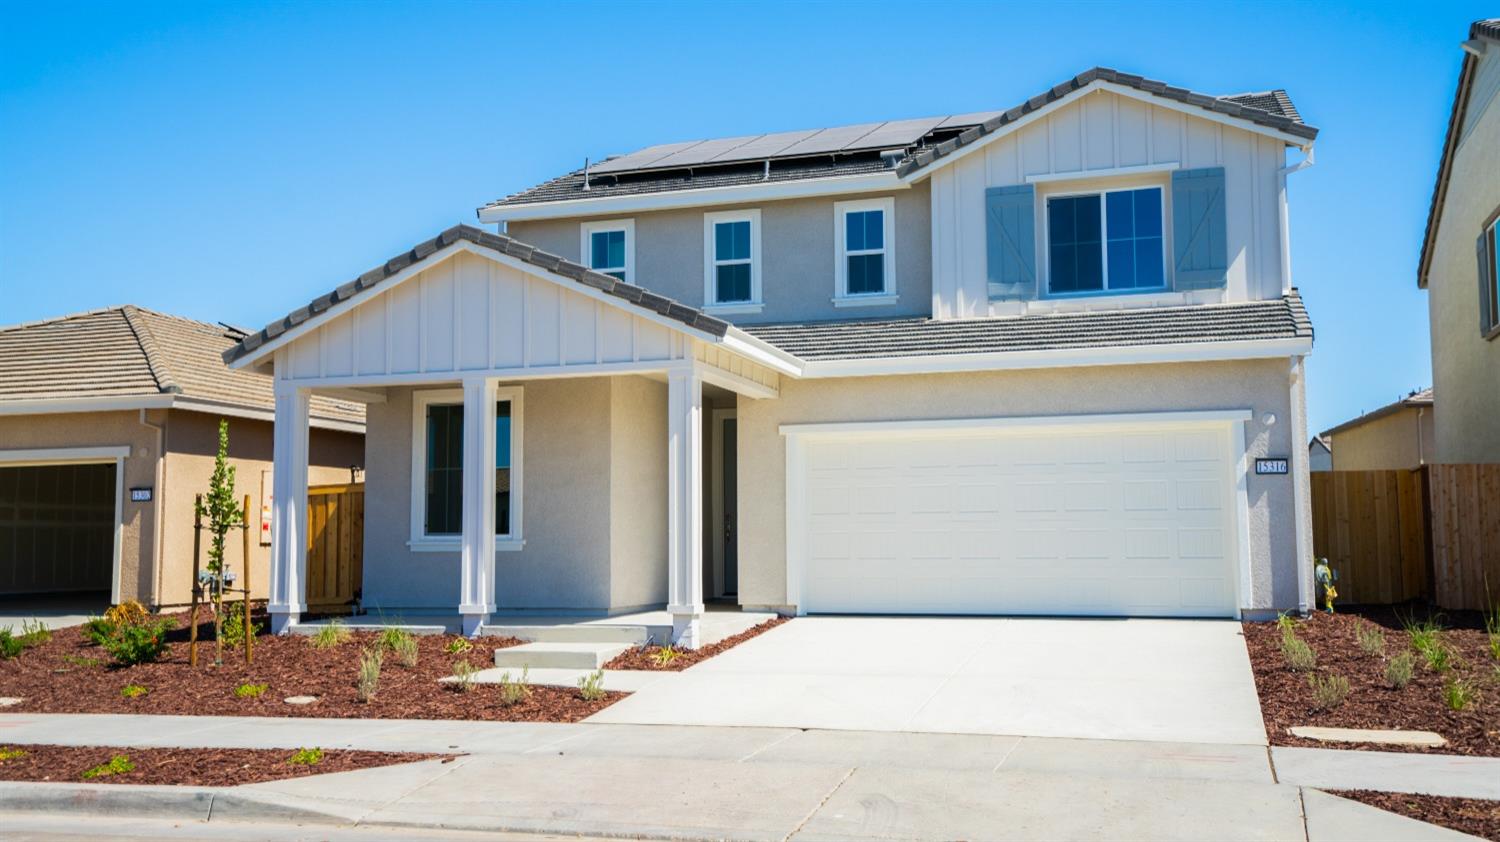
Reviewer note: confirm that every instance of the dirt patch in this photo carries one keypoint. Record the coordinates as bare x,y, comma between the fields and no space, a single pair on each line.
647,657
1287,700
1466,815
183,766
69,674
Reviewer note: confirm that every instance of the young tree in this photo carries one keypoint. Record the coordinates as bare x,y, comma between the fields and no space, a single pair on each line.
218,507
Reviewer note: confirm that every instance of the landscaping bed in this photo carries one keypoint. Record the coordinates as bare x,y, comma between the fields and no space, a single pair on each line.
1455,692
671,659
1466,815
185,766
69,673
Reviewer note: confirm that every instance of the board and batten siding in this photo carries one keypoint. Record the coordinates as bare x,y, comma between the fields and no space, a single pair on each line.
1100,132
469,313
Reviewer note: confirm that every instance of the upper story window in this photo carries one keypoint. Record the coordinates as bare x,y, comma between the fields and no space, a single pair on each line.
731,246
609,247
438,468
864,268
1489,277
1105,241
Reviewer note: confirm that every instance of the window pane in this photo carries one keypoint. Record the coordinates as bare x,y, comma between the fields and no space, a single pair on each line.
502,468
620,274
854,232
733,283
1120,208
866,274
599,248
1077,262
1149,271
1090,266
1121,263
1060,221
1064,269
732,240
864,230
444,481
1147,212
1135,260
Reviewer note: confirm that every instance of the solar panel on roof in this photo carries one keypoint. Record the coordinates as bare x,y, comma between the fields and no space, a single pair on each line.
765,146
642,159
896,133
971,119
704,152
831,140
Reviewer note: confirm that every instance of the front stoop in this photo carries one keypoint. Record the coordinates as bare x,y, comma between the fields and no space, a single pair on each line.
576,655
571,633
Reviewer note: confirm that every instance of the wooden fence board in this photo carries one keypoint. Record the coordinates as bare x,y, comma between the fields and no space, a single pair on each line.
335,545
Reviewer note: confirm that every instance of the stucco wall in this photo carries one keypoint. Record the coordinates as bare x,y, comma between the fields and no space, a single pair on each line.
1261,386
797,248
1466,365
576,557
1394,442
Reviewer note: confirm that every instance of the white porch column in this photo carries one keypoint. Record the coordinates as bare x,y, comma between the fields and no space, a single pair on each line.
477,561
685,504
289,508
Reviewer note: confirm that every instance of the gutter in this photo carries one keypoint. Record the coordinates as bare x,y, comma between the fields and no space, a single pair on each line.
1284,217
158,537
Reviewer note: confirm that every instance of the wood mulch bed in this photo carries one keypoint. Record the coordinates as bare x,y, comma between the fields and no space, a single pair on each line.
1466,815
1286,699
184,766
645,657
69,674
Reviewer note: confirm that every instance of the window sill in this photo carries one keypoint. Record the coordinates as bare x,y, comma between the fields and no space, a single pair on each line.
453,545
865,300
733,309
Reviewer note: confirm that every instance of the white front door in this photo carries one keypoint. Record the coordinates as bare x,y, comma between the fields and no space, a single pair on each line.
1134,518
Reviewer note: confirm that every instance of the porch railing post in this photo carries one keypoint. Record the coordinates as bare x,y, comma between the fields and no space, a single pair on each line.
289,508
477,567
685,504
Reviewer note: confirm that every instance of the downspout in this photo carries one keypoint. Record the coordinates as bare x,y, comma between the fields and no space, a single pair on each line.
158,538
1285,220
1301,488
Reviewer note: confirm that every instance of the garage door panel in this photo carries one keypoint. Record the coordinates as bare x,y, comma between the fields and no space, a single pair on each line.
57,525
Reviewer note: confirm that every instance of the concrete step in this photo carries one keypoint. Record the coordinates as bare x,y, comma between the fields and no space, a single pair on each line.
571,633
586,656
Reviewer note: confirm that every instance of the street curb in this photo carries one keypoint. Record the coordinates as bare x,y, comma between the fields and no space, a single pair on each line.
162,802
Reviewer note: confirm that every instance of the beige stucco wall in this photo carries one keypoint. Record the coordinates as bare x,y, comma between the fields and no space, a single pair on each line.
797,248
1261,386
1466,365
594,504
1403,439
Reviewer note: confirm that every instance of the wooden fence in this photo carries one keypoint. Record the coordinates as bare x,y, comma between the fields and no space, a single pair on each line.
335,545
1428,533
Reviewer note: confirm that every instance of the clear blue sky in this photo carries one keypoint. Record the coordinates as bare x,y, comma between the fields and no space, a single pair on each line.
230,162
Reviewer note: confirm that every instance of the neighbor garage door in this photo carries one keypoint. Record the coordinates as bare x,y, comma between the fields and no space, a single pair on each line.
57,528
1074,517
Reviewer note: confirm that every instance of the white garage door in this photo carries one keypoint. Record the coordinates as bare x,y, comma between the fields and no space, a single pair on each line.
1133,518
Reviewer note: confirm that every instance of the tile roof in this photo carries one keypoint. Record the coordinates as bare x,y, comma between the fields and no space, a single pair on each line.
129,351
1269,108
1419,398
608,284
1280,318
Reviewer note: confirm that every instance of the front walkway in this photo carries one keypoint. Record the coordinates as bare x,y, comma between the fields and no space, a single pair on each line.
57,611
1166,680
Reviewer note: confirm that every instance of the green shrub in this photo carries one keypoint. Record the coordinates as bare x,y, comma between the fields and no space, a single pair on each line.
1328,691
1492,630
1370,638
330,636
1439,657
392,637
665,655
369,673
1458,693
127,613
10,645
11,754
1299,655
1423,634
1286,623
1398,670
591,686
250,691
34,633
458,646
117,765
512,692
406,650
306,757
133,691
98,630
463,674
233,629
138,643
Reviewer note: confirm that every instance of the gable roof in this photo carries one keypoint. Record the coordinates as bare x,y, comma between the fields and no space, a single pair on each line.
1488,30
1417,399
128,352
629,293
1272,109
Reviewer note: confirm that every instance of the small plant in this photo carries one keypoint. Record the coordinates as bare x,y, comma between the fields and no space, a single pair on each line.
665,655
1398,670
1492,630
11,754
513,692
1423,634
34,633
1370,638
10,645
392,637
406,650
1458,693
1299,655
127,613
369,673
138,643
233,630
463,675
1439,657
1286,623
457,646
98,630
117,765
133,691
330,636
306,757
250,691
80,661
1328,691
591,686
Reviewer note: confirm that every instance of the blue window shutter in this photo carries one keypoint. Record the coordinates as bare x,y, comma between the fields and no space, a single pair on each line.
1010,235
1486,282
1200,246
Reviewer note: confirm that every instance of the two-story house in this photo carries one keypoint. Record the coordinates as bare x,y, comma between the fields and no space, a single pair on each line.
1462,245
1045,360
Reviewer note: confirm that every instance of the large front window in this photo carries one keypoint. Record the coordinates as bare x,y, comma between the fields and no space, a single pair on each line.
1107,241
438,467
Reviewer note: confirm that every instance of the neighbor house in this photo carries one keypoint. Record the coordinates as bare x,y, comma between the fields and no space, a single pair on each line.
1462,246
108,429
1396,436
1045,360
1319,454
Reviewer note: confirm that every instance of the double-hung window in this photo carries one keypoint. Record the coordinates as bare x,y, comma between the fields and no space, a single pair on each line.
609,247
865,254
1108,241
438,469
1489,280
731,246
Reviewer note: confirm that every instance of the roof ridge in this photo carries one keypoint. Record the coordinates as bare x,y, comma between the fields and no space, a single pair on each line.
173,316
97,311
147,340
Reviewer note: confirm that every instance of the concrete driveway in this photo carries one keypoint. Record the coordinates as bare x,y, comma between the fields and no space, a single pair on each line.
1164,680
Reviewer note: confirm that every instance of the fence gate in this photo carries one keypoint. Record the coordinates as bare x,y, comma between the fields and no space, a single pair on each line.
335,546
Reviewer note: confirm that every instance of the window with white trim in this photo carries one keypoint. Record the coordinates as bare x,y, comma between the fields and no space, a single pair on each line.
438,467
1106,241
731,247
864,267
1490,282
609,246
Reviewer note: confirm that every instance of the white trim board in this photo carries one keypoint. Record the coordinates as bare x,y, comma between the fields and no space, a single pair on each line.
65,406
